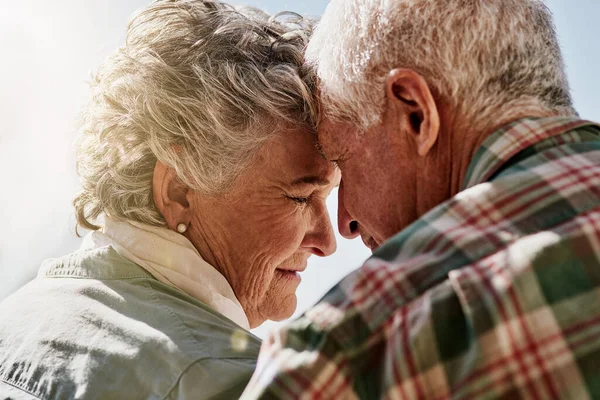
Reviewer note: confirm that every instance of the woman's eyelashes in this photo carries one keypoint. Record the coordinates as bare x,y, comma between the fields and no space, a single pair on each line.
312,199
299,200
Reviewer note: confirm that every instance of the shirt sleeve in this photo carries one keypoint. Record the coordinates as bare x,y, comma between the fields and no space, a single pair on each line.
503,327
400,359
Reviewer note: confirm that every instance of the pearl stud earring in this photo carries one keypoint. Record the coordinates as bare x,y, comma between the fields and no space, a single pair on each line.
181,228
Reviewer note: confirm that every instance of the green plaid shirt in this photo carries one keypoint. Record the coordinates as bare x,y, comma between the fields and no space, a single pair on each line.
493,294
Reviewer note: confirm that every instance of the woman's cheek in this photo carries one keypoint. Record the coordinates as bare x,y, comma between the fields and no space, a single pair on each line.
285,232
254,284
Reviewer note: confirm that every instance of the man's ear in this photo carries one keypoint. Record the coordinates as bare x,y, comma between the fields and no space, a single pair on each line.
170,196
409,98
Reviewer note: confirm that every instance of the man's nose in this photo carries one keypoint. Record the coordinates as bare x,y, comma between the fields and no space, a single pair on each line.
347,226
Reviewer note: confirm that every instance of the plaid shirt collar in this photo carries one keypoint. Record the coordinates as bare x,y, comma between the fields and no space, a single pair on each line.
501,149
504,144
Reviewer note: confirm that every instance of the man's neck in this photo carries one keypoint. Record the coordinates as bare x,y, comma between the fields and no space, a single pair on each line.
466,139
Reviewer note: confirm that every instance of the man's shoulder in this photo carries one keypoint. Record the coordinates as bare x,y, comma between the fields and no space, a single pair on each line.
501,280
524,312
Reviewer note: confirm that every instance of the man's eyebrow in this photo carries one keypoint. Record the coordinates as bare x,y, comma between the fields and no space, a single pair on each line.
311,180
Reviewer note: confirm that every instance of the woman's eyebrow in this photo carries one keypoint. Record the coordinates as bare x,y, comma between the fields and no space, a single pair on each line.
311,180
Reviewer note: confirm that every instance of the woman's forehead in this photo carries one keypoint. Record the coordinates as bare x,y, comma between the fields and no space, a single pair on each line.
294,158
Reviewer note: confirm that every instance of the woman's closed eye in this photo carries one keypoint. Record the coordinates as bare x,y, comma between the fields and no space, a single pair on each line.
299,199
311,199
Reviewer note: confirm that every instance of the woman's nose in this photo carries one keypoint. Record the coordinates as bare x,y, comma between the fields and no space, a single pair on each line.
321,240
347,226
328,245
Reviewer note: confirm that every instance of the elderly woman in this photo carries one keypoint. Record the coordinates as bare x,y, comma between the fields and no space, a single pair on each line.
205,197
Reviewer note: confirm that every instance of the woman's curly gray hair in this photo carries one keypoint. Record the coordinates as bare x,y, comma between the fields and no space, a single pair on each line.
198,85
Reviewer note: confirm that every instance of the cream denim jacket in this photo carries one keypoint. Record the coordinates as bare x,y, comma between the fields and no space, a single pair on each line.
94,325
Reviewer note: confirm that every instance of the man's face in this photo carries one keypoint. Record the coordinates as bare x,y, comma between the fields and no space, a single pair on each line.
378,191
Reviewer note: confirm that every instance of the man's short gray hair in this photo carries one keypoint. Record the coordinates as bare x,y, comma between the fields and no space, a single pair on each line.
485,57
198,85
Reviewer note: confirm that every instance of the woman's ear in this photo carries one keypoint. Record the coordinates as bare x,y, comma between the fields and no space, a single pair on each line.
170,196
408,96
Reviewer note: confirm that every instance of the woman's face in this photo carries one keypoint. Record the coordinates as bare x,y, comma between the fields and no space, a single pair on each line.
260,235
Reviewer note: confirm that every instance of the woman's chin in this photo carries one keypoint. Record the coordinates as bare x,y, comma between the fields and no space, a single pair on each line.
277,309
284,309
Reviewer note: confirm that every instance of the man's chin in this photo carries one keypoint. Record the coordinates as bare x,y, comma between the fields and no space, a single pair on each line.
371,243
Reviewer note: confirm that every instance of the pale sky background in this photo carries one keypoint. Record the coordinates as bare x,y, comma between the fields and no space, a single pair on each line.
47,51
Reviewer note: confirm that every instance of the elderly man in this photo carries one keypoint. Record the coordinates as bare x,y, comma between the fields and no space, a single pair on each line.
452,124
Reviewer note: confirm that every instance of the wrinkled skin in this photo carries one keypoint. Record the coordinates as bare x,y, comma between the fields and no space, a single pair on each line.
396,171
260,234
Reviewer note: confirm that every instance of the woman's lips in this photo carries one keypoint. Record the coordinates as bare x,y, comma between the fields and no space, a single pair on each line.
293,267
289,274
